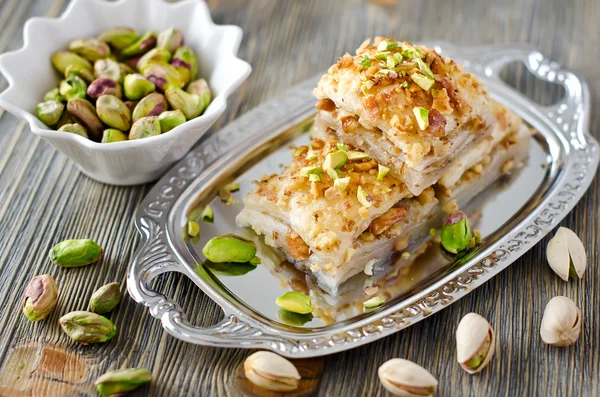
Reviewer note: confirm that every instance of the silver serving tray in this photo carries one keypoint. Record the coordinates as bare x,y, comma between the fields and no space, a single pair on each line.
563,159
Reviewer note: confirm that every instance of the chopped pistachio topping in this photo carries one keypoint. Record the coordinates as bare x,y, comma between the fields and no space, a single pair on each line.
422,116
313,169
373,303
311,155
382,56
424,68
356,155
432,232
299,151
422,81
382,172
193,228
208,215
387,45
365,62
342,146
364,198
406,84
314,178
366,86
341,183
335,160
333,174
391,62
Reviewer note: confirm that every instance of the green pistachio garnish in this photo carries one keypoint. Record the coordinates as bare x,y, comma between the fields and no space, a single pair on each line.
229,248
306,171
422,81
311,155
364,198
405,85
294,319
387,45
295,302
208,215
356,155
366,86
365,62
422,116
193,228
424,68
372,304
382,56
314,178
342,146
456,232
335,160
341,183
391,62
382,172
333,174
299,151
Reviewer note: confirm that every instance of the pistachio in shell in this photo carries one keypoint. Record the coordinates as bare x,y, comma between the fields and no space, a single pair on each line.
141,45
105,298
163,75
75,253
84,113
155,54
113,135
108,68
73,87
62,59
170,39
113,112
170,119
49,112
406,379
137,86
40,297
145,127
200,87
151,105
74,128
121,381
87,327
190,104
90,49
475,343
118,38
271,371
104,86
53,95
186,63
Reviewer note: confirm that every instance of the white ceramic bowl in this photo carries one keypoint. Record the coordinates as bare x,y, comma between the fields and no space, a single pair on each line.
30,74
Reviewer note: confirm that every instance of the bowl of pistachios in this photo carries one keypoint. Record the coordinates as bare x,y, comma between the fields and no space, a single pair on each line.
126,88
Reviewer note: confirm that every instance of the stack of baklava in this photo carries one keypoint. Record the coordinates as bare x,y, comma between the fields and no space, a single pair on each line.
402,137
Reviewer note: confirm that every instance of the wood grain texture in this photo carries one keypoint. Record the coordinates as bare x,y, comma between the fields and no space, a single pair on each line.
44,199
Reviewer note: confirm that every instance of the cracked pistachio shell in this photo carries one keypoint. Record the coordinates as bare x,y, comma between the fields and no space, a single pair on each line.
105,298
62,59
113,112
53,95
150,105
456,232
155,54
137,86
200,87
404,378
475,343
75,253
271,372
73,87
229,248
87,327
191,105
141,45
113,135
566,254
163,75
74,128
40,297
49,112
108,68
118,38
90,49
84,113
104,86
170,39
145,127
186,63
561,323
119,381
170,119
75,70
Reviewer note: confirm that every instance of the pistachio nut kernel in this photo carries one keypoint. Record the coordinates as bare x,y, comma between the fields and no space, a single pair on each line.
73,70
108,68
382,171
84,113
404,378
561,323
170,39
150,105
64,119
334,160
154,55
74,128
73,87
170,119
49,112
62,59
191,105
229,248
104,86
475,343
53,95
296,302
193,228
566,254
90,49
200,87
163,75
118,38
124,380
40,297
137,86
456,232
372,304
87,327
271,372
186,63
143,44
293,319
355,155
105,298
75,253
145,128
113,135
422,117
208,215
113,112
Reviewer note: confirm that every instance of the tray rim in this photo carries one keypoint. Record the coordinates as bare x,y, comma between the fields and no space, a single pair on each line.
158,253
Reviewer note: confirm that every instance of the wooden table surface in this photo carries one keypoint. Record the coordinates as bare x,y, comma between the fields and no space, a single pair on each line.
44,199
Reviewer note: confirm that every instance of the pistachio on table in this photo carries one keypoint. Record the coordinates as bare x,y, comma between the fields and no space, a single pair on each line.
561,323
404,378
229,248
145,128
456,232
40,297
137,86
150,105
105,298
87,327
186,63
62,59
90,49
113,135
271,371
155,54
85,114
74,128
73,87
475,343
118,38
163,75
566,254
49,112
104,86
75,253
113,112
120,381
170,39
170,119
190,104
295,302
141,45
